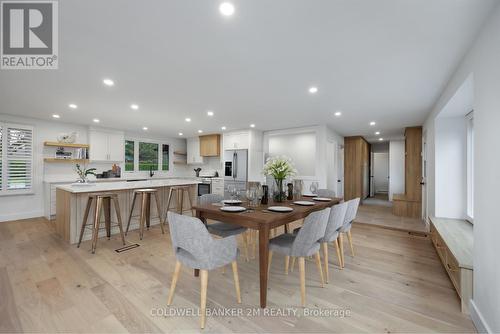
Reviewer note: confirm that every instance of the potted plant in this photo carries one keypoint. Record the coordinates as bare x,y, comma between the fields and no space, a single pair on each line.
83,173
280,168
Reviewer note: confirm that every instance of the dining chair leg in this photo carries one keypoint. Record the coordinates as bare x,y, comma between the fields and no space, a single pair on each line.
158,209
320,270
302,271
293,264
175,277
203,297
85,218
337,250
236,281
341,246
287,262
95,230
131,211
349,237
244,235
119,218
325,259
269,263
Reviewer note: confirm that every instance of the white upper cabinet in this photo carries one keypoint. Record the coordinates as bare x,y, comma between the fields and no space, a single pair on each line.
193,151
106,145
237,141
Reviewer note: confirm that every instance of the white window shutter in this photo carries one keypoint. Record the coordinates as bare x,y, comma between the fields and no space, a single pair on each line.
18,151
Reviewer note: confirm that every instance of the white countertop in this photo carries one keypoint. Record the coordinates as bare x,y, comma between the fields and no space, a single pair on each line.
123,185
71,179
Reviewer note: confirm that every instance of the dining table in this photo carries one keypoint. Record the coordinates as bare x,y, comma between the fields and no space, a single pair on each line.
259,217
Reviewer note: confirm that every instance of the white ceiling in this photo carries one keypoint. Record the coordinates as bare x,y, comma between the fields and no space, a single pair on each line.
381,60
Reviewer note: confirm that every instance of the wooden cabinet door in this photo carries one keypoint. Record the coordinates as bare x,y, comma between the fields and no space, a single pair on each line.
210,146
193,151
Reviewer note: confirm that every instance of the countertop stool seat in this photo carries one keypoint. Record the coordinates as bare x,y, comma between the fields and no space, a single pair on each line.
103,203
179,192
145,215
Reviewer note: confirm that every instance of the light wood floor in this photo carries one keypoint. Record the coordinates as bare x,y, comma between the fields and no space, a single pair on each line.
381,215
394,284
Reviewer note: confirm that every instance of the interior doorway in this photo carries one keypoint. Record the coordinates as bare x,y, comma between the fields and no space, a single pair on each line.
379,175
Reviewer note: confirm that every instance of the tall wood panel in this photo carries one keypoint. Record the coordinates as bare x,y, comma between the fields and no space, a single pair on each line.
413,163
356,166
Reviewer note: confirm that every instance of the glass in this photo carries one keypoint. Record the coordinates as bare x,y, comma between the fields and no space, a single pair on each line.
129,155
251,195
164,157
314,187
148,156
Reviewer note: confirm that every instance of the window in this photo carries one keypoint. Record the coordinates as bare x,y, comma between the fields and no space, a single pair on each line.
129,155
16,159
164,157
470,166
148,156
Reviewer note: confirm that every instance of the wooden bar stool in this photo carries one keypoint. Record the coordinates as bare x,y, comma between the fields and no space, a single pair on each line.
179,192
145,216
103,202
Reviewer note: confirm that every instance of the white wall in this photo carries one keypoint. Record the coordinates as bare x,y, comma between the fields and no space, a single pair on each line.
450,167
483,62
29,206
396,167
381,172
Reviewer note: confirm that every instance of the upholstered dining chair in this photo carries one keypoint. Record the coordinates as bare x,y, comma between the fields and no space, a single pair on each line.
352,211
325,193
221,229
195,248
335,222
303,244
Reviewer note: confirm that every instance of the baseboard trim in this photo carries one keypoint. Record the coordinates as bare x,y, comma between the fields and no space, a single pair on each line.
19,216
478,320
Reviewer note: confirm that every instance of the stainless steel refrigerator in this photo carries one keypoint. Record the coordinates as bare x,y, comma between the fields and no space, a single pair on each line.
235,171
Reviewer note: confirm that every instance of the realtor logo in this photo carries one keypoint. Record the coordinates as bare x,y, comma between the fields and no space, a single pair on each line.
29,35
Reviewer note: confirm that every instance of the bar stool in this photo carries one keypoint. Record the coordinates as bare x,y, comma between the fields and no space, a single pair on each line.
179,192
103,201
145,216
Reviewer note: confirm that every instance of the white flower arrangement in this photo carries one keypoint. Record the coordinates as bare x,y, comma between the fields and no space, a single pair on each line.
279,167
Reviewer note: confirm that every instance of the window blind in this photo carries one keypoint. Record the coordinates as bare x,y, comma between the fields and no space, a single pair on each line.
17,158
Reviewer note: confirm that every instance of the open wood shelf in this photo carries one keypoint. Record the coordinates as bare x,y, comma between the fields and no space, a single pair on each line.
66,160
57,144
180,153
180,162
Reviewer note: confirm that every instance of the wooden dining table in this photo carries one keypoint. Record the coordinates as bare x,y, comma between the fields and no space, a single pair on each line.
261,219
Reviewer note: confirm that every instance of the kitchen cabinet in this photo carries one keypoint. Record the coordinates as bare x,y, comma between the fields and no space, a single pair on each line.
218,186
210,145
237,141
193,151
106,145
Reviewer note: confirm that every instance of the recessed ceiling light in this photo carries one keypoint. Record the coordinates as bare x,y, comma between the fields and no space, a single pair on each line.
338,113
380,139
313,90
210,113
96,120
223,128
226,8
134,106
372,123
72,106
145,128
188,119
252,125
200,131
377,133
181,134
108,82
56,116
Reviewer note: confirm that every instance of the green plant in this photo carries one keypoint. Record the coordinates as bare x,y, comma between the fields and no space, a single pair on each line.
279,167
84,172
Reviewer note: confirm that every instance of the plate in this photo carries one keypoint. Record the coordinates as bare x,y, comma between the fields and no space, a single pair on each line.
309,195
306,203
232,201
233,209
322,199
280,209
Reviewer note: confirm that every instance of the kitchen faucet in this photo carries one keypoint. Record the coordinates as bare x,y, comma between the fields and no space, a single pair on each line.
151,173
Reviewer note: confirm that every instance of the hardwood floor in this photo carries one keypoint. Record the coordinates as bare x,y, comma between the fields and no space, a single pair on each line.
394,284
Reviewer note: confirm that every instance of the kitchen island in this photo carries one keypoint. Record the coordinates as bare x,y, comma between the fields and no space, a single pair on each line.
71,200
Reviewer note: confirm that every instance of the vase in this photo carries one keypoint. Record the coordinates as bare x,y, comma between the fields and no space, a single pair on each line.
279,194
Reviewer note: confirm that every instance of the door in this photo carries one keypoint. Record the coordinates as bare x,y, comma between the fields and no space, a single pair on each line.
381,172
372,174
240,170
424,177
340,174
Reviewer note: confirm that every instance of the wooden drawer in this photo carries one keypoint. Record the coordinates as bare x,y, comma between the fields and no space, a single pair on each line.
453,270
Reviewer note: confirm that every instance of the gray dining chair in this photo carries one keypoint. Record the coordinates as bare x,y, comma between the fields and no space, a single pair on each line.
195,248
325,193
352,211
301,245
221,229
335,222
